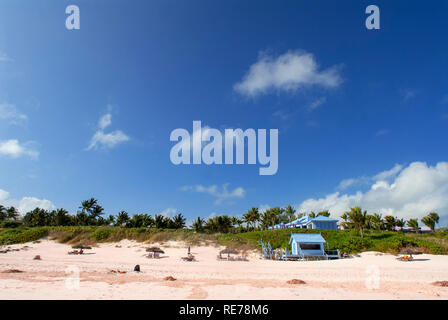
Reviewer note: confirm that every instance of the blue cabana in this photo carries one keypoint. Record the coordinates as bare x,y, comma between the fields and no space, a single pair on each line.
310,245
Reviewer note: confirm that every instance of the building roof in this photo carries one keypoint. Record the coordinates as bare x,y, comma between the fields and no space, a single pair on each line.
324,218
307,237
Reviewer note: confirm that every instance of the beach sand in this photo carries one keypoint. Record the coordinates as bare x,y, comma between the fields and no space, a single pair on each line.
370,276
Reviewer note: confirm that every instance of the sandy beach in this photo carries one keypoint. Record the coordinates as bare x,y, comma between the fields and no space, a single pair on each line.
61,276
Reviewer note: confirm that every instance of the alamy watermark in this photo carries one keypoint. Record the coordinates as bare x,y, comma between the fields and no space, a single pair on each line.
206,145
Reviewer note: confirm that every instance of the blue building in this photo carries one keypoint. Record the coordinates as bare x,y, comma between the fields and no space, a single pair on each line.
307,222
310,245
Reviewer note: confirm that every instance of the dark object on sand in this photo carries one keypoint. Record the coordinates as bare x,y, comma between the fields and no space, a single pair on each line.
81,246
440,283
12,271
137,268
410,251
37,257
189,252
169,278
229,250
295,281
155,250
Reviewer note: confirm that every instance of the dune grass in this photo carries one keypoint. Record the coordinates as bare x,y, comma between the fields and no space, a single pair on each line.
345,240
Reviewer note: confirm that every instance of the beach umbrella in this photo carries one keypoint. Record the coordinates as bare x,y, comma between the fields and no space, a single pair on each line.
410,251
229,251
154,249
81,246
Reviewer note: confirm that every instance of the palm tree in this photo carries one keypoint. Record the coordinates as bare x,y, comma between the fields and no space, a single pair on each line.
178,221
357,218
430,220
92,209
198,224
324,213
62,218
312,214
376,221
400,223
3,213
389,222
290,213
252,217
413,223
236,222
161,222
110,220
266,219
122,218
12,214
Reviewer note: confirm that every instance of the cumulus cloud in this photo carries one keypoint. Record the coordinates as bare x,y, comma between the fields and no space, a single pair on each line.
287,72
406,192
12,148
106,140
9,112
25,204
220,194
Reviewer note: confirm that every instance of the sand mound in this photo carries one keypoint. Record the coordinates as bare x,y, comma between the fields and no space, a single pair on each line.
441,283
12,271
295,281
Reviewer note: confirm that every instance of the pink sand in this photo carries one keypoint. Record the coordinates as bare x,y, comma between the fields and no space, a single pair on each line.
370,276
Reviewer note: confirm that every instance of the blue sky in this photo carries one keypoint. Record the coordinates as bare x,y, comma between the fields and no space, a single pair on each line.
376,137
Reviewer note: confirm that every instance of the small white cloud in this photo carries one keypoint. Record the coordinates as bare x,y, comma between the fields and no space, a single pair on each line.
12,148
4,57
9,112
106,140
408,94
169,212
382,132
105,121
220,193
388,173
25,204
287,72
282,114
317,103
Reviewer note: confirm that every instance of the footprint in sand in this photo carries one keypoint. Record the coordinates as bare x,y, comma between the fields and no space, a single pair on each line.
197,293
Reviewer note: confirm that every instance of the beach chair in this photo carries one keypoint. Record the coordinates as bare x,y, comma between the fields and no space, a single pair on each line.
156,255
149,255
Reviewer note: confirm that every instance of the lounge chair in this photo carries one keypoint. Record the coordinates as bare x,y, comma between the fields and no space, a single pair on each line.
189,258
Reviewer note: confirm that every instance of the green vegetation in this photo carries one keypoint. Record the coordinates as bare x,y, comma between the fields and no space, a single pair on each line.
348,241
363,231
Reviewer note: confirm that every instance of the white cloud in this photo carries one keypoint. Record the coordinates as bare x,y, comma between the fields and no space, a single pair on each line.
9,112
105,121
382,132
287,72
220,193
12,148
4,57
408,94
169,212
389,173
413,192
317,103
106,140
25,204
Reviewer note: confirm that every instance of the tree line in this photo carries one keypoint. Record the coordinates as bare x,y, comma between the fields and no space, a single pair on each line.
91,213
